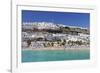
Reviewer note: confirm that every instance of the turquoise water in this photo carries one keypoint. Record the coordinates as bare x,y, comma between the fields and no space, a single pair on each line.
54,55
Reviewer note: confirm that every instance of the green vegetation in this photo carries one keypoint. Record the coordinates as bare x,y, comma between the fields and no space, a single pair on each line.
75,42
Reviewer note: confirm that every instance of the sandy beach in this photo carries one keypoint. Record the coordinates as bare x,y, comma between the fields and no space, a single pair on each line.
58,48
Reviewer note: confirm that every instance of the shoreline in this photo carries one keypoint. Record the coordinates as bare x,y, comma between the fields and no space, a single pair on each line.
58,48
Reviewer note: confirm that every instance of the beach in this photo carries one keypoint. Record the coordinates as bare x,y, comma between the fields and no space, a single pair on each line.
58,48
55,54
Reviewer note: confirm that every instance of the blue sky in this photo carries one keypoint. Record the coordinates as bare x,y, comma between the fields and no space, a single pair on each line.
66,18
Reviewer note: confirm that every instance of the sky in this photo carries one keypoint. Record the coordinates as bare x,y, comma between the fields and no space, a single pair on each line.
65,18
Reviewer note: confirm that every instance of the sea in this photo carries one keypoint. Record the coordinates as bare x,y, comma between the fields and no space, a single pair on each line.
53,55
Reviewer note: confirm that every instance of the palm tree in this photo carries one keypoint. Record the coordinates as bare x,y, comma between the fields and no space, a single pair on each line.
28,42
63,43
52,44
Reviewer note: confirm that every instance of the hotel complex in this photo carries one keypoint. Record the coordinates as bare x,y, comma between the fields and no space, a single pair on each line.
46,34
